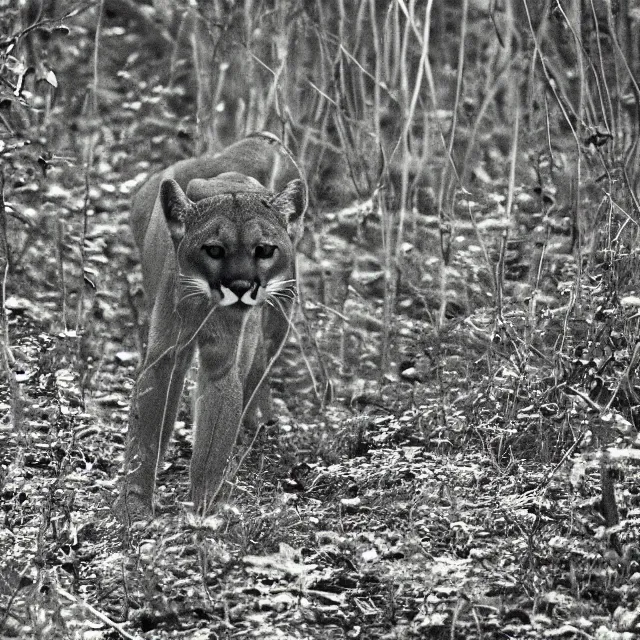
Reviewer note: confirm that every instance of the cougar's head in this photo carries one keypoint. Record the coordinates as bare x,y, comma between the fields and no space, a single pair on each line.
233,239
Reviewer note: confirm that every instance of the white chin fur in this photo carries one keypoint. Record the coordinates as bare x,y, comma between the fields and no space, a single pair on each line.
228,297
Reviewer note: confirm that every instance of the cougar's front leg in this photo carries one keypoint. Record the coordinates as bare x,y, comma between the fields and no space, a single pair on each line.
257,392
275,328
218,411
153,413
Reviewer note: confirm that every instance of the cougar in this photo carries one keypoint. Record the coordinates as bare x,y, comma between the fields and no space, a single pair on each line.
216,236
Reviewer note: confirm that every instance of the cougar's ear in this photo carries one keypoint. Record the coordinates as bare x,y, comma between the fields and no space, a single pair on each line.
175,206
292,203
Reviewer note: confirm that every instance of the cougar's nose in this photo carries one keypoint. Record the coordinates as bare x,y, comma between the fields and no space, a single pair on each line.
240,287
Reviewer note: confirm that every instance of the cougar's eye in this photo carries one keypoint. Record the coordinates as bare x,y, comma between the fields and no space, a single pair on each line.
265,251
214,251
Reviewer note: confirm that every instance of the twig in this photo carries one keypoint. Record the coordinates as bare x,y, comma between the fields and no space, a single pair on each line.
98,614
508,217
6,355
48,24
87,175
60,261
13,596
4,267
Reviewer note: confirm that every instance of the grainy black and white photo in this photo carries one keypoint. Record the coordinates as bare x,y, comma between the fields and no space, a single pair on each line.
319,319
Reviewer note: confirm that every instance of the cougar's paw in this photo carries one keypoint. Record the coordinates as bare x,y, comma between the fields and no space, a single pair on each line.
131,506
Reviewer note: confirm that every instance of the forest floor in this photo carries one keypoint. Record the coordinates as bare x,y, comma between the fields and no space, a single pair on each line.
462,494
